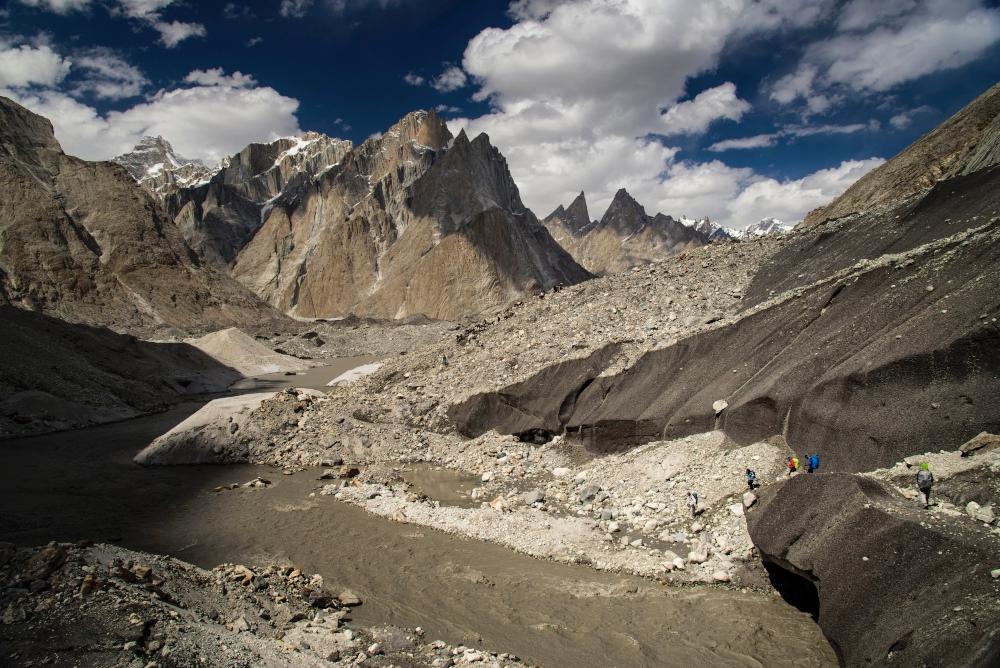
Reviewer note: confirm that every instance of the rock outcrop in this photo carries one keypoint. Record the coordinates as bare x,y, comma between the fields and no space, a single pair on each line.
625,236
220,215
81,241
896,585
407,223
967,142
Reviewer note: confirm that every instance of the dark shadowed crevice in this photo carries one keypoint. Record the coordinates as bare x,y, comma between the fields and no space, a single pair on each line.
798,590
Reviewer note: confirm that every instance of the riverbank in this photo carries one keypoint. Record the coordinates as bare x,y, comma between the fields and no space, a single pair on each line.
82,485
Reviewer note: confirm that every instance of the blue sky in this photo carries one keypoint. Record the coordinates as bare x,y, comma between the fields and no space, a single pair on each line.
734,109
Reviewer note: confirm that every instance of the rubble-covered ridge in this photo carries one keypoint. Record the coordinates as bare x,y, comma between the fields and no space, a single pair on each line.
100,605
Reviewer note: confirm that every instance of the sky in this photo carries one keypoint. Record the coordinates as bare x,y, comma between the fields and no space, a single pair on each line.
732,109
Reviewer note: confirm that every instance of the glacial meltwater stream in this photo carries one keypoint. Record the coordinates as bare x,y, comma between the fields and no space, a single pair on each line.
83,485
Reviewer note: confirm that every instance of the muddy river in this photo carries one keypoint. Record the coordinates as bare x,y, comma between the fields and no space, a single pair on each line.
82,484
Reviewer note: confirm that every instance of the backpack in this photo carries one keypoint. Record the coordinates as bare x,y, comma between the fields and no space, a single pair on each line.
814,461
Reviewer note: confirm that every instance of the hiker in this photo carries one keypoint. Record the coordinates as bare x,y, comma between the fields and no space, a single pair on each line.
693,502
793,465
751,479
444,360
813,463
925,480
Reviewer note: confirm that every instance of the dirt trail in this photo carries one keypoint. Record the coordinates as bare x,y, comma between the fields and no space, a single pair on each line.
83,485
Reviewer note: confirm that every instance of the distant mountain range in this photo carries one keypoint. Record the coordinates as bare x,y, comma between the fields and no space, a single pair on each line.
415,221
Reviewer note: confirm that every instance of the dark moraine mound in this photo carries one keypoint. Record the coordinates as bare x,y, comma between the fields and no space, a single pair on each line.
897,585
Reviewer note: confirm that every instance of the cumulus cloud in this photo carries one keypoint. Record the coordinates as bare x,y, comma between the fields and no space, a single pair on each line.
414,79
880,44
26,65
107,75
694,116
207,121
791,200
173,33
450,80
578,90
58,6
218,77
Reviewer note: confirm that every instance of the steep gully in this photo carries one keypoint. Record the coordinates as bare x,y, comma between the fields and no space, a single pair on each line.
83,484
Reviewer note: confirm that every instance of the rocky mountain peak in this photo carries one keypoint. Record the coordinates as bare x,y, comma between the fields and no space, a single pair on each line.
151,156
423,127
577,211
624,215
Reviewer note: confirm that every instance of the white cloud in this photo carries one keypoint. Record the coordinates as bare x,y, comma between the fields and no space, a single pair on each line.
58,6
174,32
294,9
450,80
201,121
827,129
791,200
793,132
903,119
254,41
694,116
107,75
756,141
143,9
218,77
447,109
414,79
27,65
881,44
577,86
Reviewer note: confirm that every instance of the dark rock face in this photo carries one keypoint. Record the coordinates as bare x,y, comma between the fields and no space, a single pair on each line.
82,241
897,585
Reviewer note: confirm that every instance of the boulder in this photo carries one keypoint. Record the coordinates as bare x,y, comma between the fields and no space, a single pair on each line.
984,442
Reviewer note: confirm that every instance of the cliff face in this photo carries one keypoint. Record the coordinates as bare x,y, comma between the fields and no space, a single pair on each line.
625,236
82,241
404,224
967,142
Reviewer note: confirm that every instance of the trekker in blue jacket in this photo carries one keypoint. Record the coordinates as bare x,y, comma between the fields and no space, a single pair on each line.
813,463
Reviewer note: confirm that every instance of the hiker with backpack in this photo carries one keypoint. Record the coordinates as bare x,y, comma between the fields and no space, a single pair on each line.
925,480
692,500
812,463
793,465
751,477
